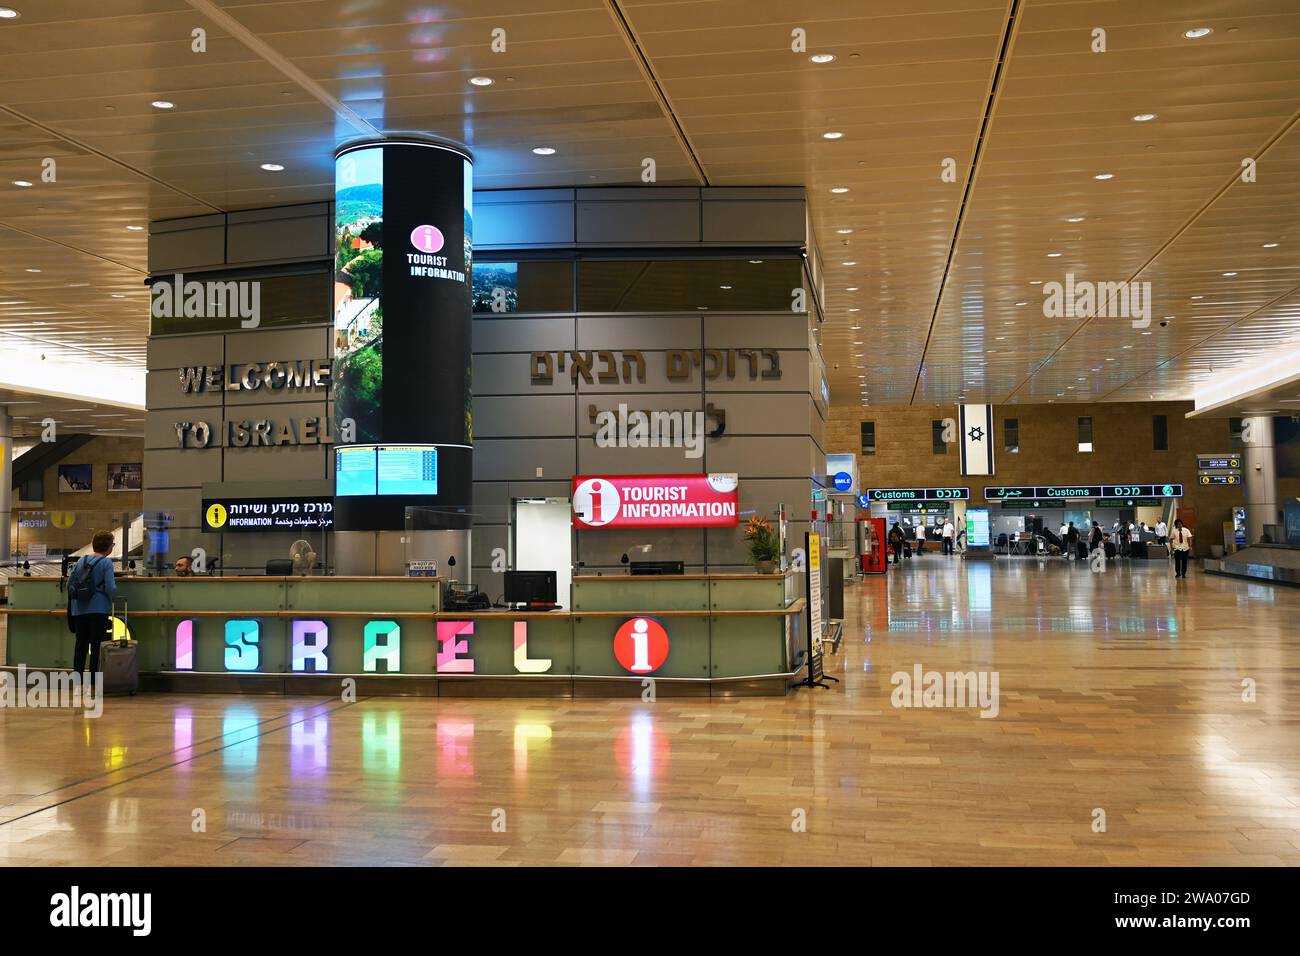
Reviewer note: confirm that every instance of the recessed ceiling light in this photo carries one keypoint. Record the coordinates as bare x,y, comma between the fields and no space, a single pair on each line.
1104,176
1195,33
822,57
1229,274
1053,255
851,288
1035,281
1146,333
853,262
833,134
481,80
1270,245
839,189
273,167
724,287
135,228
855,310
1144,117
8,13
1022,303
22,182
33,270
118,295
1198,297
163,104
544,150
1075,219
843,232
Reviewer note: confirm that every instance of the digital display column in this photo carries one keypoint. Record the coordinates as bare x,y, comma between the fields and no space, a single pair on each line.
402,290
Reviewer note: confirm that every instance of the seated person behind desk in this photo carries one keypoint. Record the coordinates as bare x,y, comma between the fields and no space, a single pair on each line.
184,567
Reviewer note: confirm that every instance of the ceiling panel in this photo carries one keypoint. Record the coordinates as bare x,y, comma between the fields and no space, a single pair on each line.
934,288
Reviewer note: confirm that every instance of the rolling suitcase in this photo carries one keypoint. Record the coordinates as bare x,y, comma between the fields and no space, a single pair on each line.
119,662
1110,549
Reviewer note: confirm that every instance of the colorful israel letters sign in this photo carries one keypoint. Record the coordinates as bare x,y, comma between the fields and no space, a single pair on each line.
640,645
655,501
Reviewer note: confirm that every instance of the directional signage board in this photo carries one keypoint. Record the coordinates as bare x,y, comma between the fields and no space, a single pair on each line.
1142,491
1225,479
1226,462
1028,493
1043,491
1128,502
918,494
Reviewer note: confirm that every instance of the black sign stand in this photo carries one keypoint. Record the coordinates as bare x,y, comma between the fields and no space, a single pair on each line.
817,676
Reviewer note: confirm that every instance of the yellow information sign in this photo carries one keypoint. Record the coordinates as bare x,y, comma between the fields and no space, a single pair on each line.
216,516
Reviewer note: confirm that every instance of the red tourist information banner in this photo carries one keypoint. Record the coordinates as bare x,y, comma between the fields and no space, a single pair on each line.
655,501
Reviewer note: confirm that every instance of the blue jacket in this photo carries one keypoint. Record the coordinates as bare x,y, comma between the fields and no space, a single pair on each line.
101,579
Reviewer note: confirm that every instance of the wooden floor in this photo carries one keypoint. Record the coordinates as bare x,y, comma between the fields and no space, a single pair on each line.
1120,691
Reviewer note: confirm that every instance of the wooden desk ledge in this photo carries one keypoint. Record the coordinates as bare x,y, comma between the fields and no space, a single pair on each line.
643,578
794,608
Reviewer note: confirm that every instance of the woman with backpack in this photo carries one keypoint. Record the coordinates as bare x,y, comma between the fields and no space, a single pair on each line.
91,587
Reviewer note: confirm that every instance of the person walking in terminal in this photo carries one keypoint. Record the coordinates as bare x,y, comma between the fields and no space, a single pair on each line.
1162,532
184,567
949,536
1095,538
1122,536
1071,541
920,536
91,587
961,535
896,541
1181,543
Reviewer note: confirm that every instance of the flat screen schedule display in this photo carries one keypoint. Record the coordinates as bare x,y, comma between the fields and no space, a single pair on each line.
355,470
386,470
407,470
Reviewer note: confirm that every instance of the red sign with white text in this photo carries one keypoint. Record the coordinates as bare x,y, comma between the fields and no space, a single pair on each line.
655,501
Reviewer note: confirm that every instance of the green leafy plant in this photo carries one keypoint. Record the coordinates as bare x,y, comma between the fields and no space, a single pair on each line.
761,540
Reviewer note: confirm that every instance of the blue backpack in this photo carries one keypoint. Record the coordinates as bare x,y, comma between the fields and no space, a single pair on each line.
79,586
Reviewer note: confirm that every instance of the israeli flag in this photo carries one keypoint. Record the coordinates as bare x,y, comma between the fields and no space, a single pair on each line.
976,439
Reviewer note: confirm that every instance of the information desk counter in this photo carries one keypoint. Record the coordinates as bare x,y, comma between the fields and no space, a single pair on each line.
701,635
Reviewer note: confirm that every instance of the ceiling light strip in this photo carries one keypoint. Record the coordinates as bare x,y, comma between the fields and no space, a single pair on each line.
1164,247
241,33
1009,30
652,79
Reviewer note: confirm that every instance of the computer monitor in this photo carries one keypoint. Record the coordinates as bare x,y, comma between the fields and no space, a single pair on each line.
531,587
658,567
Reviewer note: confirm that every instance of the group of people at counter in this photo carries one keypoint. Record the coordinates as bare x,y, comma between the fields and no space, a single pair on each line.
1118,541
952,536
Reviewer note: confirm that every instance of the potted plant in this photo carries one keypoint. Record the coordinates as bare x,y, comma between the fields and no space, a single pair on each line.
764,547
